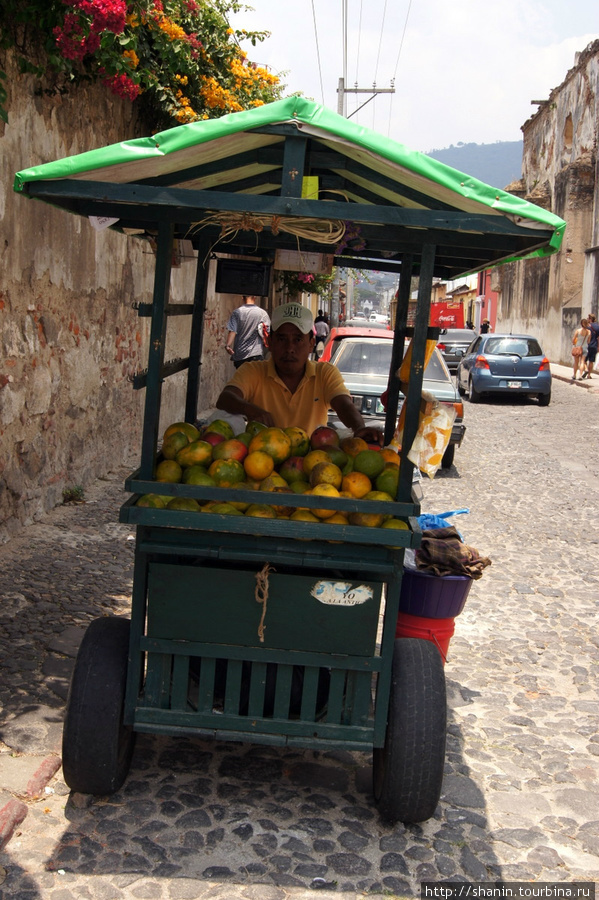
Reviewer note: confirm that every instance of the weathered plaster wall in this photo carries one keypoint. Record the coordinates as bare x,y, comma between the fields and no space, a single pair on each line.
547,297
69,337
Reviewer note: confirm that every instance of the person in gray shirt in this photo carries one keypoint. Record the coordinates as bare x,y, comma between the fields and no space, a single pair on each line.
248,329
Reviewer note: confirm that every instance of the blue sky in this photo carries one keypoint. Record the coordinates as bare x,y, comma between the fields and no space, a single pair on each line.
465,70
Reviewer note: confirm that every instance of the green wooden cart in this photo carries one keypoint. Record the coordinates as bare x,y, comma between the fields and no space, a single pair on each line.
274,631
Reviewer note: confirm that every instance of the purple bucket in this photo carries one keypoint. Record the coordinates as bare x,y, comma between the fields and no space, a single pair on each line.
433,596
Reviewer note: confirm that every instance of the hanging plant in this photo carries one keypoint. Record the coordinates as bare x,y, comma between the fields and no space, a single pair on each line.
304,282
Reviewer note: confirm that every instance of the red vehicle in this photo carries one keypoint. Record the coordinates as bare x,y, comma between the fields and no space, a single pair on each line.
336,336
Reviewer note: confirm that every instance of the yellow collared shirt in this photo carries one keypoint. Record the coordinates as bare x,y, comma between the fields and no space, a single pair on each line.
307,408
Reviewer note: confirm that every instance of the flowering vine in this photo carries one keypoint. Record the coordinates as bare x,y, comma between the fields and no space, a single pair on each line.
180,57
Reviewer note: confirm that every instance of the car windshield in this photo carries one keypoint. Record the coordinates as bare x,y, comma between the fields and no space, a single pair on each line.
511,345
374,358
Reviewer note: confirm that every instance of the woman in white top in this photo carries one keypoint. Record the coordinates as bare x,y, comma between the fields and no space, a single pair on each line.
580,339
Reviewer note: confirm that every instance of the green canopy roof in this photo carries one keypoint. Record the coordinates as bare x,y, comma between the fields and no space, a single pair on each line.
293,173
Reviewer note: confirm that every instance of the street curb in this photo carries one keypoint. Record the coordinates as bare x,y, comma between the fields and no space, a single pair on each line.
567,378
11,816
41,777
14,810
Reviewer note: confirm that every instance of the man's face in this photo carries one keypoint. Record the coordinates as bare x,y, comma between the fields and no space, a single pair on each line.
290,349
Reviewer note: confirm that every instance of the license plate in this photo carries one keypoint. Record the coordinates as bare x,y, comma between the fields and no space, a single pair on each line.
513,384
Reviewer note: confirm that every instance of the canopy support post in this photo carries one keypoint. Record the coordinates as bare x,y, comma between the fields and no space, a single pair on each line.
414,392
399,337
196,338
162,278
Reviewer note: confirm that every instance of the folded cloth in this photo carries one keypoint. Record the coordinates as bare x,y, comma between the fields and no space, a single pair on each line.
443,552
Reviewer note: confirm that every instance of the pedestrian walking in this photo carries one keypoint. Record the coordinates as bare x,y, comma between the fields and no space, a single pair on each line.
591,346
485,327
321,328
248,328
580,341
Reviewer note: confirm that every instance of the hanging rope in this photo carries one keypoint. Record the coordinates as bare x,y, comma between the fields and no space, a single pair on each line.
322,231
261,595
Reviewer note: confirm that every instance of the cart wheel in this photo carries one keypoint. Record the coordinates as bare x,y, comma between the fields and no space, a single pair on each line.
408,770
96,746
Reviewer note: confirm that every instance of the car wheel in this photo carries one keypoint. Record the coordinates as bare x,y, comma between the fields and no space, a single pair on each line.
473,393
545,399
448,456
461,390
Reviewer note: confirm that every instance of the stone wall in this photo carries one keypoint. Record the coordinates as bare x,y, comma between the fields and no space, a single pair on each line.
547,297
70,339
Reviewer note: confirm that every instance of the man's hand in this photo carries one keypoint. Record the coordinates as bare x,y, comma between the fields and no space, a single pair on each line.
370,435
231,400
352,418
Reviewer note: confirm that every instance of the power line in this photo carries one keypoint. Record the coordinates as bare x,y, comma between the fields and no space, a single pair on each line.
403,34
378,56
359,37
317,52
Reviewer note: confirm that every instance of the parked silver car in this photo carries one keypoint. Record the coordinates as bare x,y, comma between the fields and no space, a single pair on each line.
453,344
365,362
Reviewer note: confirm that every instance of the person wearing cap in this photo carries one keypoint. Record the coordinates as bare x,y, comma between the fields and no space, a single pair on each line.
290,388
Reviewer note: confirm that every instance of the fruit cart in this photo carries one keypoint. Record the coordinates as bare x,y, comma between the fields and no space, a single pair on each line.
275,631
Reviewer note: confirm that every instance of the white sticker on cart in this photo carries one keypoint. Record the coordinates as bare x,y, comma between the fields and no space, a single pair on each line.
341,593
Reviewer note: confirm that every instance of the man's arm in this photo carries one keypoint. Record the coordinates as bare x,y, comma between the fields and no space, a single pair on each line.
351,417
231,401
229,346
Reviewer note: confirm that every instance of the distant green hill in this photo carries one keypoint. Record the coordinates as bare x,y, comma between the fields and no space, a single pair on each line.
497,164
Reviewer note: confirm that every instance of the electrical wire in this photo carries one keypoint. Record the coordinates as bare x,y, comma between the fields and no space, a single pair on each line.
378,56
318,52
359,37
403,34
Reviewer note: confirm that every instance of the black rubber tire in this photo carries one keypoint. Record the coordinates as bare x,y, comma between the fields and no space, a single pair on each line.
96,746
545,399
447,461
408,770
473,394
461,390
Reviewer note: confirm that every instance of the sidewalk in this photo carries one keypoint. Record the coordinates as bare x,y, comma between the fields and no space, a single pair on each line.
564,373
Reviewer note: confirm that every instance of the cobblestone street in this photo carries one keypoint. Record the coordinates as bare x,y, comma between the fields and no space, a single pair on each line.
213,820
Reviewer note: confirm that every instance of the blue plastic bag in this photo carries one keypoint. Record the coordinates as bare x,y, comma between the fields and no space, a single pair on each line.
427,521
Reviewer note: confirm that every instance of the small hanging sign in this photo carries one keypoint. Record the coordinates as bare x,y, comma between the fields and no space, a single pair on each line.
341,593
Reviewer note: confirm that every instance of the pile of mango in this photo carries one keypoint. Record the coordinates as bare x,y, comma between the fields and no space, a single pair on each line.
276,461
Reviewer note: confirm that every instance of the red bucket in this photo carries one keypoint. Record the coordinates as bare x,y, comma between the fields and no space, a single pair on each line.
439,631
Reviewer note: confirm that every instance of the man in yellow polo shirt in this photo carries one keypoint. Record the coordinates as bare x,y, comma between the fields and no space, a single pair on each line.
289,388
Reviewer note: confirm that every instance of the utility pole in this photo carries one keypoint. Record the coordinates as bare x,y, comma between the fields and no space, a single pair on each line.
342,93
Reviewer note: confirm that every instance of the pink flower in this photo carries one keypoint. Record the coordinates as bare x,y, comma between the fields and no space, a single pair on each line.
123,86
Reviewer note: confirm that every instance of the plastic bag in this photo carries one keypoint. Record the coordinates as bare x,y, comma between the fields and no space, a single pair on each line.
427,520
432,438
